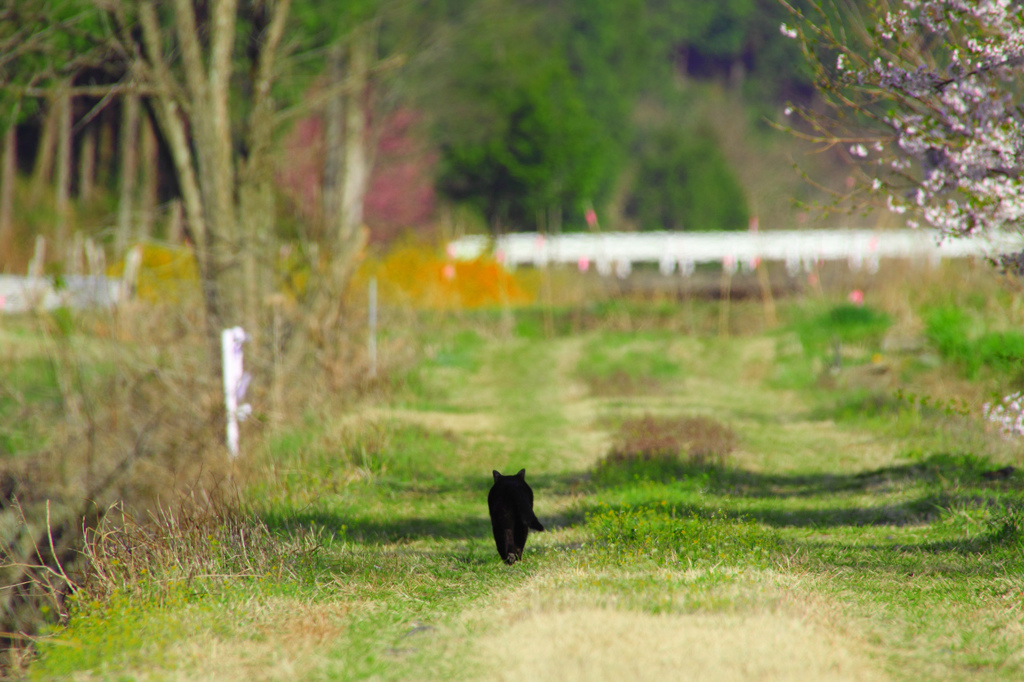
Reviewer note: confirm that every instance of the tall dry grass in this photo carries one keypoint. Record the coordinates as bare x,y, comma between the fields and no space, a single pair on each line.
127,420
130,417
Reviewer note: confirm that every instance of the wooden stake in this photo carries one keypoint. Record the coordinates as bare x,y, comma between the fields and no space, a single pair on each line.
723,307
770,319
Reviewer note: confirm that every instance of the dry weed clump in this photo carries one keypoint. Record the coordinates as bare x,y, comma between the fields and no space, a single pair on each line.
100,419
621,383
696,440
207,538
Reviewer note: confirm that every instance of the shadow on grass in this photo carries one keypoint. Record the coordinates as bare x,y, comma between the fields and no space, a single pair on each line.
999,551
944,470
394,530
455,509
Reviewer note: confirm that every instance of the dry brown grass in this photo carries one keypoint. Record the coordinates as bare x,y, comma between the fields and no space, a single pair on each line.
699,440
603,644
202,537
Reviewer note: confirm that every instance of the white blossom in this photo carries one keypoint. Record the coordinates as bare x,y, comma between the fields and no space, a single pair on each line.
787,31
960,126
1007,414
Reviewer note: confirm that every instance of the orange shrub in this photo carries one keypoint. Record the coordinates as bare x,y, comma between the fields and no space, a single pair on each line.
417,274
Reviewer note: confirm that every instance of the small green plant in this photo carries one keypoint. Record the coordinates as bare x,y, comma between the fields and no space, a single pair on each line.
845,323
1006,532
663,533
864,404
948,329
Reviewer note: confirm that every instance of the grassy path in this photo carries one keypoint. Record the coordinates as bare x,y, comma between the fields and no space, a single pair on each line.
888,558
576,620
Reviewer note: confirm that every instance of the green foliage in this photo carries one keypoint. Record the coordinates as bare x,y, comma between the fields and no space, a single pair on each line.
684,183
949,329
714,30
538,112
122,630
843,323
320,23
723,40
516,137
946,328
45,41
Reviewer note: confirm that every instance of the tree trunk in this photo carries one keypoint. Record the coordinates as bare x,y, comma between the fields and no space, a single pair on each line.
42,170
227,195
105,149
8,176
63,198
129,172
87,165
347,161
334,135
150,179
357,167
174,121
173,231
256,179
210,127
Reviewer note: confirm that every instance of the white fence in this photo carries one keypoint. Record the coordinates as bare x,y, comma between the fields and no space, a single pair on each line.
35,291
19,293
618,251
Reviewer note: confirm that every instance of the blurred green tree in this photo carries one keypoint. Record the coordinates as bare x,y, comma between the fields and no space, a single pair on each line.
685,183
518,141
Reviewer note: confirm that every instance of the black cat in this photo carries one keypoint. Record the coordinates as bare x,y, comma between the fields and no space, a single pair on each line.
511,504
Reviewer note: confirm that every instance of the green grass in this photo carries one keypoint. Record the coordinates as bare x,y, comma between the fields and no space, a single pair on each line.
694,537
618,363
964,342
30,390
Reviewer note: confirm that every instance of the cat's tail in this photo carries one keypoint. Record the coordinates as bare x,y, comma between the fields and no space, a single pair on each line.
532,521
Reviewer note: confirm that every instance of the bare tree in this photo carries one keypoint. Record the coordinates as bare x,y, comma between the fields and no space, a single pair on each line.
185,63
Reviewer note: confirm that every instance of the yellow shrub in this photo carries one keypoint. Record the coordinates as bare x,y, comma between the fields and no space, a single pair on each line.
409,273
166,274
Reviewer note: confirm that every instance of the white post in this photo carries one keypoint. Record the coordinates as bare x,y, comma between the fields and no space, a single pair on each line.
372,341
236,381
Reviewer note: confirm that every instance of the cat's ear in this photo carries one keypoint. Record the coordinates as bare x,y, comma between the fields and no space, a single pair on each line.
521,475
496,475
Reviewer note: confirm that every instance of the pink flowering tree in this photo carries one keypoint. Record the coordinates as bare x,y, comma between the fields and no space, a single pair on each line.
926,96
